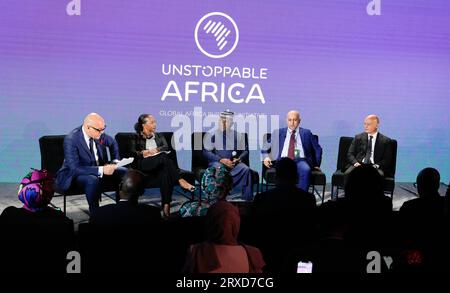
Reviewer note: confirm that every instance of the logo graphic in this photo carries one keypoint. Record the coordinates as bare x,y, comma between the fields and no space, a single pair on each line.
216,35
374,8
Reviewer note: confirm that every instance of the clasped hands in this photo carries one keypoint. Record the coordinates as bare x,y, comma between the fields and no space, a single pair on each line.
230,163
376,166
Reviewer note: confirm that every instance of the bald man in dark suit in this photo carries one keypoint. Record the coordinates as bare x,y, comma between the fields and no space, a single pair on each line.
370,147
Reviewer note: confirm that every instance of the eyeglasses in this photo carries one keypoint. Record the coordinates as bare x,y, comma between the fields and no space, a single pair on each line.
98,130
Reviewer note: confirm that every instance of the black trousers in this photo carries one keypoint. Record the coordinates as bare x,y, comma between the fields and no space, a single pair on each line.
162,169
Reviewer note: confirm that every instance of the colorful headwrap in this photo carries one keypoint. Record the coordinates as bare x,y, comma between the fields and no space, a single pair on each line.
36,190
215,181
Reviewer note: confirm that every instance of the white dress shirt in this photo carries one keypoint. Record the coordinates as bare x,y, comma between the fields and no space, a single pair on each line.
298,143
372,147
86,139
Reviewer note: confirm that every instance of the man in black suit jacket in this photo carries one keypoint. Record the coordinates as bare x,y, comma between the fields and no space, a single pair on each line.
370,147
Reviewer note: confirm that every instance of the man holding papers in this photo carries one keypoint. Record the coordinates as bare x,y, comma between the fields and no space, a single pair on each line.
88,152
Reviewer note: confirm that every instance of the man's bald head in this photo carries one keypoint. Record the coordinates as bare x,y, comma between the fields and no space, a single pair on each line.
371,124
93,118
293,119
94,125
373,117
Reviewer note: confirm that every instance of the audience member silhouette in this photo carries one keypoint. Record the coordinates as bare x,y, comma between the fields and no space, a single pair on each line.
125,236
356,224
221,252
368,216
36,237
429,206
282,219
424,226
447,202
127,212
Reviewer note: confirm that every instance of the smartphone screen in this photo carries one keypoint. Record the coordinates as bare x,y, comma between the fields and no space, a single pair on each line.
304,267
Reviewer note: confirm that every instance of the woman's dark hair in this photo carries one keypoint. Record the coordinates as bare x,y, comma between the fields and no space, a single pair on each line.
141,120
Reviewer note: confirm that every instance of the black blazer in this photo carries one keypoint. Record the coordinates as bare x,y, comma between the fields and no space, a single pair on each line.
35,241
140,142
281,220
125,214
382,152
127,232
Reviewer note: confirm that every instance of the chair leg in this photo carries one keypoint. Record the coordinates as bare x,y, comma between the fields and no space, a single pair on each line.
261,185
323,194
332,191
64,206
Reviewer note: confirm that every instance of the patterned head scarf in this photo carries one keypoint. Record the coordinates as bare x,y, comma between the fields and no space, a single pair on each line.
36,190
216,182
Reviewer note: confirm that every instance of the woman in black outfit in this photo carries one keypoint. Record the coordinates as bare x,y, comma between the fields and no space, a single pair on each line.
152,159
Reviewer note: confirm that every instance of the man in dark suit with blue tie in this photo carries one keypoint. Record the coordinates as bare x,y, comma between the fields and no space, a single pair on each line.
296,143
87,155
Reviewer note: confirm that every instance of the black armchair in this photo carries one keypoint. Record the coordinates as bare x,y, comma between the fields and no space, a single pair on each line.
52,158
337,180
389,176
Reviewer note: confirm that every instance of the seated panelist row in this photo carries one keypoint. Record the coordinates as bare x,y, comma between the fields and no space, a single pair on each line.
88,167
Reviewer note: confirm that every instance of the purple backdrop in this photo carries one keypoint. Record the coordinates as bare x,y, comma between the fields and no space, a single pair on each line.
328,59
